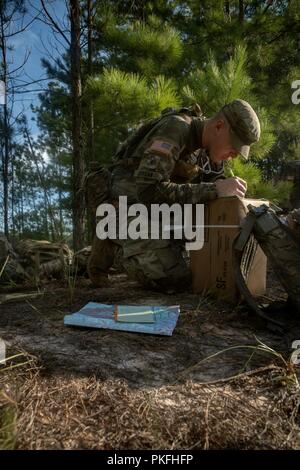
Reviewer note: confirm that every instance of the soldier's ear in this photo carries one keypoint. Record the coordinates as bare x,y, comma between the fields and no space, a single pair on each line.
220,124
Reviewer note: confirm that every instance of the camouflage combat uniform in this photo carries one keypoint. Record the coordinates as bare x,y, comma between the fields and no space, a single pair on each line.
162,168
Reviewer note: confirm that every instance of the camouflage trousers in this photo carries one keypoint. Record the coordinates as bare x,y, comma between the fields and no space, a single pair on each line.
156,264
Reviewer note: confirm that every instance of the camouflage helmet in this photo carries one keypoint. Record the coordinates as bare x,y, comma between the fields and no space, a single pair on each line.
244,125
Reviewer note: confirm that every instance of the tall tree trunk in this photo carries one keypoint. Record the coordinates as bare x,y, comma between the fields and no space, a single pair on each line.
227,9
5,148
12,198
46,225
22,208
61,219
90,151
5,171
78,161
91,137
241,11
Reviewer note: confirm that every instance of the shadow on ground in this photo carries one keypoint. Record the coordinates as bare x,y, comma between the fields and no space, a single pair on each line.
205,327
102,389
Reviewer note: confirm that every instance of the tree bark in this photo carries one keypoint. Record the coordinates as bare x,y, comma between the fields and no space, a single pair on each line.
78,161
22,208
241,11
90,151
91,141
5,145
12,198
227,9
61,219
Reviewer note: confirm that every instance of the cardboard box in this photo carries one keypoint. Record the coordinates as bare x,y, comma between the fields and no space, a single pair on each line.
211,266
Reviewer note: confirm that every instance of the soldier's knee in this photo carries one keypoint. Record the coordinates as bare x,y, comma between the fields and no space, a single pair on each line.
162,269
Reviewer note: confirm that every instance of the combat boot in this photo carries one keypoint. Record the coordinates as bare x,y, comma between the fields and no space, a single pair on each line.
100,261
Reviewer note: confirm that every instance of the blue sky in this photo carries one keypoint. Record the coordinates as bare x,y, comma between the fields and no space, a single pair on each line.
36,39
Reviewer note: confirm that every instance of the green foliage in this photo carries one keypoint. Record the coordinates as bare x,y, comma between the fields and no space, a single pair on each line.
53,114
268,137
214,85
129,97
121,100
278,193
151,48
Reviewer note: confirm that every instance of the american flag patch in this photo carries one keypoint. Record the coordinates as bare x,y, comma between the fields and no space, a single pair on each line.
162,148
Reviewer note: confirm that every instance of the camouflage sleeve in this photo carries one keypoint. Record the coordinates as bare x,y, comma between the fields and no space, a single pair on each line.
157,164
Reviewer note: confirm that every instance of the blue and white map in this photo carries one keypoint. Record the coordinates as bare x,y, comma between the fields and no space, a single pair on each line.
95,315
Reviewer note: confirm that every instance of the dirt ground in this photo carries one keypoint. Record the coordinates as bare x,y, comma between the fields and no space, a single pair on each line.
99,389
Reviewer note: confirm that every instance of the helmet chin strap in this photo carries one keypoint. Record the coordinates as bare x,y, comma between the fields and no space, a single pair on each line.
206,166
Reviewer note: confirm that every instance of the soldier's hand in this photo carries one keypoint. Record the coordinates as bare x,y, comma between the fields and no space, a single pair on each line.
231,187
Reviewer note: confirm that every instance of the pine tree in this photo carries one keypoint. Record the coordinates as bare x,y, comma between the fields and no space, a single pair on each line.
214,86
121,101
151,55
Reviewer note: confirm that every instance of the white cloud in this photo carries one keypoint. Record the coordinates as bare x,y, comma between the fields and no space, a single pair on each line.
45,156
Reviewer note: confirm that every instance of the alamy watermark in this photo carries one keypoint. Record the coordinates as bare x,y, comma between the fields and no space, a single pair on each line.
160,221
296,94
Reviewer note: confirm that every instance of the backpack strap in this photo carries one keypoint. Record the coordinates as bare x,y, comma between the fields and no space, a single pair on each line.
239,246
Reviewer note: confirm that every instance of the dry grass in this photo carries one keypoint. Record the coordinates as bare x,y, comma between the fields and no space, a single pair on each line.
63,412
72,397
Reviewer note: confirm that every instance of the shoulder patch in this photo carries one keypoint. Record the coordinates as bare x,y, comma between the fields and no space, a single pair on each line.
162,147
